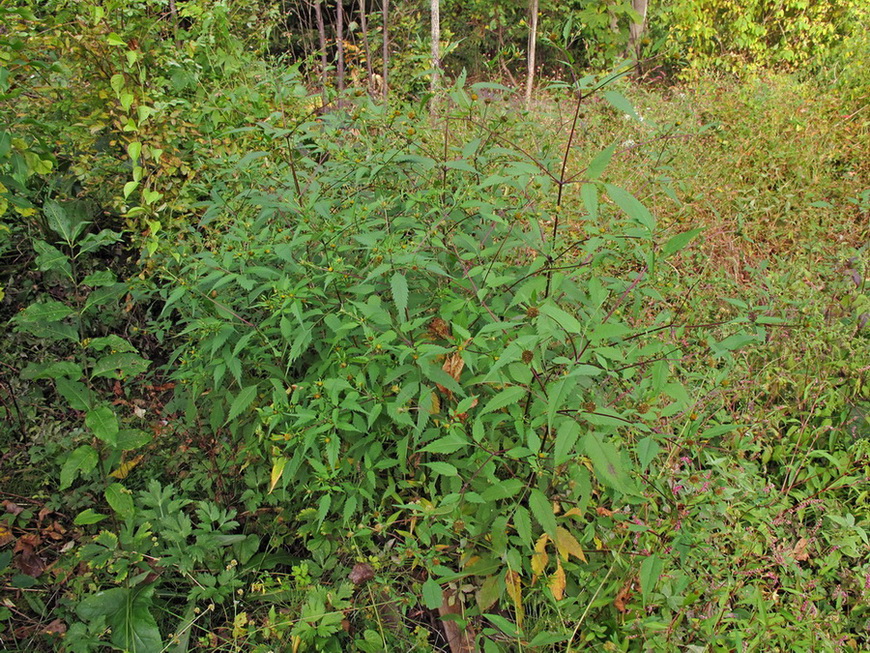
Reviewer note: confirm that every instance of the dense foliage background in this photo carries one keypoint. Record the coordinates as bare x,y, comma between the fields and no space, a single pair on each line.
304,351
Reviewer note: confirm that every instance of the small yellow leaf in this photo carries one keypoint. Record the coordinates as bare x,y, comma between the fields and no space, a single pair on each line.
540,557
239,623
277,472
436,404
568,545
558,582
124,470
515,591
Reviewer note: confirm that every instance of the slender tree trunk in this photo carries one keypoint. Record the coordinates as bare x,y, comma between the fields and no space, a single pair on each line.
173,14
364,26
635,30
324,62
386,48
435,8
339,42
533,44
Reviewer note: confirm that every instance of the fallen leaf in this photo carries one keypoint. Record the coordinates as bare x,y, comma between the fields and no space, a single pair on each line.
799,552
623,596
12,508
56,627
27,561
459,641
604,512
361,573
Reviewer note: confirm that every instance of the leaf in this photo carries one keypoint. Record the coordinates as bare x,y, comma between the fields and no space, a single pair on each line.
631,206
505,626
432,597
443,469
104,424
542,511
399,288
124,470
118,366
128,614
567,434
446,445
647,450
514,587
568,322
241,403
678,242
83,459
650,570
277,472
506,397
488,593
558,582
607,462
540,557
599,163
88,516
622,104
77,395
523,524
568,545
503,489
589,195
120,500
134,150
50,311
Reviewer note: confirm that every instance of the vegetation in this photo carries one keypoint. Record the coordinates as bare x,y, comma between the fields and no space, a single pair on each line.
434,366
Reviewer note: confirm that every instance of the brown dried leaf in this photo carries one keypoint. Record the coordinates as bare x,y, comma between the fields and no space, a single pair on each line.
799,552
361,573
438,328
12,508
27,561
459,641
623,596
56,627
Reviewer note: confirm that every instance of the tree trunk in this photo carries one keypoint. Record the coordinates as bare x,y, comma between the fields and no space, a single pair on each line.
339,43
435,8
324,62
364,27
386,47
635,30
533,43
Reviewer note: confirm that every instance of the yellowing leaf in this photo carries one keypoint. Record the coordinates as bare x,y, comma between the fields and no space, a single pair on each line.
277,472
239,623
558,582
568,545
124,470
540,557
515,591
436,404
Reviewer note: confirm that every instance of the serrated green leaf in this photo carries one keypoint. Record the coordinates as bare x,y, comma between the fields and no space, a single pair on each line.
607,462
568,322
621,103
542,511
119,500
432,596
506,397
599,163
567,434
647,450
88,516
82,459
77,395
443,469
503,489
446,445
678,242
650,571
631,206
523,524
399,288
241,403
589,195
104,424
